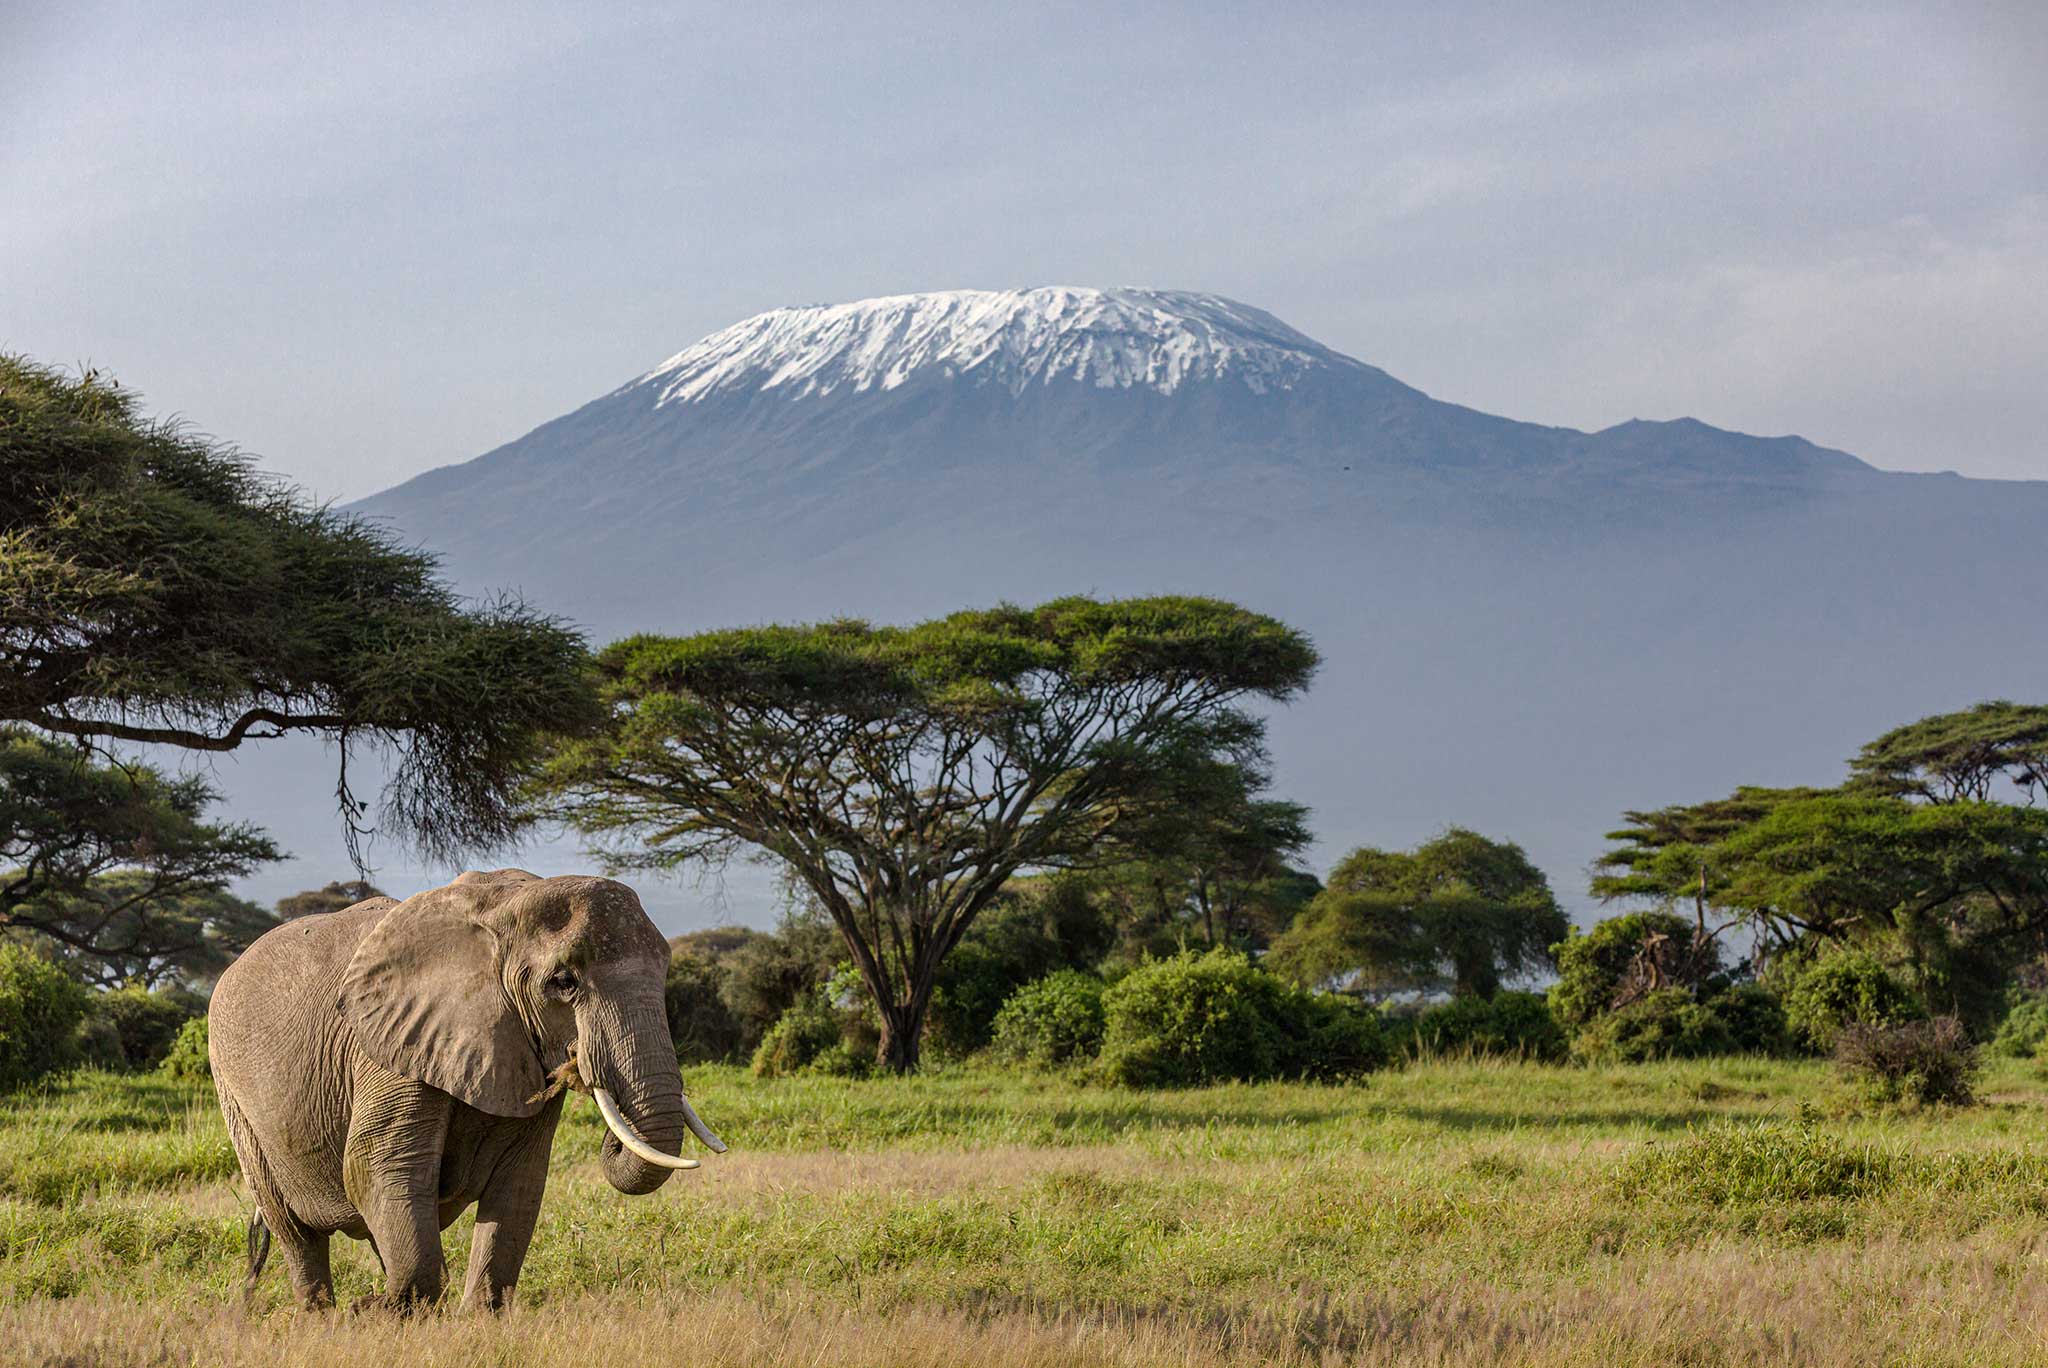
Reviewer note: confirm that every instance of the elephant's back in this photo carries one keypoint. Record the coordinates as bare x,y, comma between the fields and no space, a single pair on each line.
281,1048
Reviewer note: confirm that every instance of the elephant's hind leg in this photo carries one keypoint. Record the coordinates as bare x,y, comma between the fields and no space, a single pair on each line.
303,1250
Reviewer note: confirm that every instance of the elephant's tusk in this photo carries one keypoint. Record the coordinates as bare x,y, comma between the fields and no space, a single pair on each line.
700,1130
630,1138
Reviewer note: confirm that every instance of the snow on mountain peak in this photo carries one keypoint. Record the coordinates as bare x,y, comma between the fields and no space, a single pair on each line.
1112,339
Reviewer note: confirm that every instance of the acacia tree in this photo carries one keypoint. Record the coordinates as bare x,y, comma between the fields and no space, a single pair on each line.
903,775
1959,757
117,863
1459,911
1218,863
154,588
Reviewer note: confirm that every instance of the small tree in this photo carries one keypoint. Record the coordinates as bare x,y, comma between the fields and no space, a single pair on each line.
1460,911
903,775
116,866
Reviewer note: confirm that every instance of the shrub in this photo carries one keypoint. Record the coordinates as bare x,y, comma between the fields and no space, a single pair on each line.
187,1057
1335,1037
1755,1019
2024,1032
1052,1020
1590,967
704,1028
97,1045
831,1029
1195,1019
1928,1061
1517,1025
798,1037
1667,1024
1844,988
146,1022
40,1011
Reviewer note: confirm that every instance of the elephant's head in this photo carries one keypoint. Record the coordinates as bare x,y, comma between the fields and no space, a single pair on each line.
484,988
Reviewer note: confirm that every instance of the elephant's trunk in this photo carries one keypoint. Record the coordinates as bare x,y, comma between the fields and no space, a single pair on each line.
632,1058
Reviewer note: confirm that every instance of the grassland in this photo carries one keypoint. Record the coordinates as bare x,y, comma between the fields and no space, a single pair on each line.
1452,1213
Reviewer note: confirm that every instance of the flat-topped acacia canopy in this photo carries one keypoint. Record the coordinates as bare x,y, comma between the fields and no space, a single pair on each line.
975,658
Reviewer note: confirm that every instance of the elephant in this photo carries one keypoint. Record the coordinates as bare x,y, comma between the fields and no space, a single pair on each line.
385,1067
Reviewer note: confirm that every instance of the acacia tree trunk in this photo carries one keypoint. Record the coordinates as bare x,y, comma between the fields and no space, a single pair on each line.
902,1034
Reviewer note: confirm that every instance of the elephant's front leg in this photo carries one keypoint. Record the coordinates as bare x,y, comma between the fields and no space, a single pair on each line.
507,1210
392,1170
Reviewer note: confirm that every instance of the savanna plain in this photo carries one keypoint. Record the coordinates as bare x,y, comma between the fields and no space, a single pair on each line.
1705,1212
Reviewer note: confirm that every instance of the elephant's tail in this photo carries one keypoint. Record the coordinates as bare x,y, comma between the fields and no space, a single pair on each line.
259,1252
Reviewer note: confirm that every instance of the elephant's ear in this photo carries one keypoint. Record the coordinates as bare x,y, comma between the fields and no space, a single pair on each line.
425,996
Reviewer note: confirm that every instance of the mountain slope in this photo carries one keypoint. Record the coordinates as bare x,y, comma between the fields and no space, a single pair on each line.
1527,628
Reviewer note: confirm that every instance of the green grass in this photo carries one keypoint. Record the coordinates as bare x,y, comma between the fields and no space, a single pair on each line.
1455,1204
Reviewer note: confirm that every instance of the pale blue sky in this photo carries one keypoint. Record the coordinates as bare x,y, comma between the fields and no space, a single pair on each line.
364,243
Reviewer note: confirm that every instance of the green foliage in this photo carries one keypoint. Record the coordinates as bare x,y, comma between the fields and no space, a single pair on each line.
1924,874
332,897
40,1011
1196,1019
1009,740
1665,1024
114,865
805,1033
97,1045
187,1057
1509,1025
763,975
1623,957
146,1023
1928,1061
1755,1019
704,1028
1824,993
1039,926
1460,912
1957,756
155,588
1673,854
1052,1021
2024,1032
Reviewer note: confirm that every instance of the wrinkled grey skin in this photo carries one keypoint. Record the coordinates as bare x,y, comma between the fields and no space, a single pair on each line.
378,1068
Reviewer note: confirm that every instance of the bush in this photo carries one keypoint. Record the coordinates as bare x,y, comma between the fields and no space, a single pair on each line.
146,1022
1196,1019
1927,1061
831,1029
41,1007
1755,1019
1844,988
1052,1020
2024,1032
1515,1025
187,1057
1590,967
801,1035
1667,1024
1039,926
97,1045
704,1028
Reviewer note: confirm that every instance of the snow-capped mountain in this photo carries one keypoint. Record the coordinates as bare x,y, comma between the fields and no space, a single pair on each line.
1111,339
1526,628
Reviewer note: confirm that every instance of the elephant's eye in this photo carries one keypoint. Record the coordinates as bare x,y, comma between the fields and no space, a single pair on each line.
561,983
